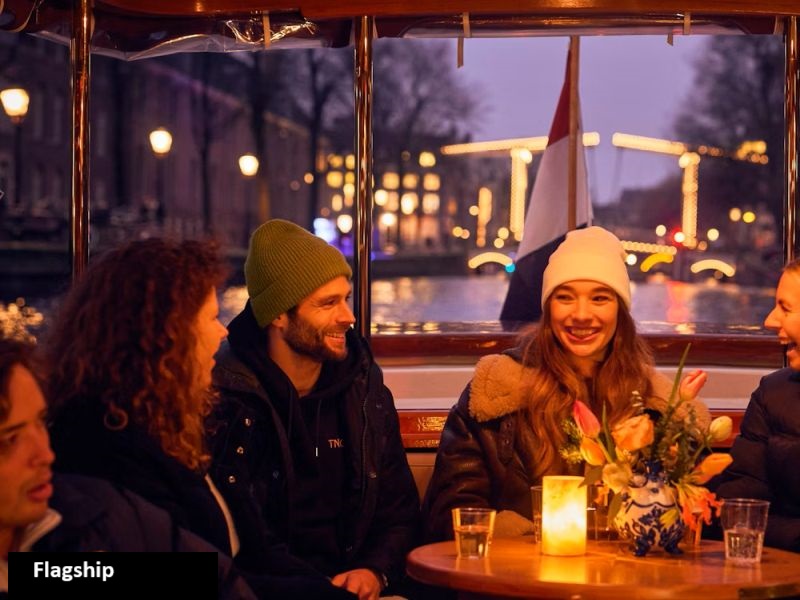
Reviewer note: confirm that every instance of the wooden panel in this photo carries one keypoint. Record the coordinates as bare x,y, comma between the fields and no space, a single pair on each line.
422,428
712,349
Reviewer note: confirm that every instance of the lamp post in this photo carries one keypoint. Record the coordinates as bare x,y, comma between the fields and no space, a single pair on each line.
161,143
248,165
15,104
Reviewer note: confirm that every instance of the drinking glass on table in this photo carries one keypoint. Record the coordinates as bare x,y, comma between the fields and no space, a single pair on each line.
743,523
473,528
536,512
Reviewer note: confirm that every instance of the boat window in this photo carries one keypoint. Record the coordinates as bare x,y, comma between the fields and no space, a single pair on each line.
685,164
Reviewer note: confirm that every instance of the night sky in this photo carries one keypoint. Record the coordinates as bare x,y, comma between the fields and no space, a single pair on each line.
632,84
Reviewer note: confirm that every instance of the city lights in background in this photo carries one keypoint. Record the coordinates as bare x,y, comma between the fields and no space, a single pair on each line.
160,141
325,229
661,230
344,223
690,163
15,103
489,257
520,159
735,214
484,215
427,159
248,165
388,219
712,234
713,265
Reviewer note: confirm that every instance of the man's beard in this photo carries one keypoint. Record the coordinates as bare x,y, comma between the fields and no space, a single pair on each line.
305,340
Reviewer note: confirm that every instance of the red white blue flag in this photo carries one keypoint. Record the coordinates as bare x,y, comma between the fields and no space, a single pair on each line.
546,221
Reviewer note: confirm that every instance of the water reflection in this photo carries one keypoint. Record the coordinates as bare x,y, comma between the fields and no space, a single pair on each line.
472,304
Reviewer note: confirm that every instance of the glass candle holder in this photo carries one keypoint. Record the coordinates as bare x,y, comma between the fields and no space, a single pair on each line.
563,516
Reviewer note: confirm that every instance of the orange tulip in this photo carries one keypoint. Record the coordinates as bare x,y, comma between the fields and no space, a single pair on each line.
713,464
634,433
587,423
592,452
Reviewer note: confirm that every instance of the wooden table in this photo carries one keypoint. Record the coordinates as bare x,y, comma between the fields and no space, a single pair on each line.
515,568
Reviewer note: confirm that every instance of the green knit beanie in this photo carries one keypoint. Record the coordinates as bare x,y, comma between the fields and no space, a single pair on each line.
285,263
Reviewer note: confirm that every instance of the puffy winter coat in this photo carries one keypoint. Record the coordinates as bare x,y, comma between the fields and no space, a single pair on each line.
481,460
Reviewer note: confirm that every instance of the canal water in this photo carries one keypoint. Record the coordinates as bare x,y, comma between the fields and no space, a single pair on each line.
473,303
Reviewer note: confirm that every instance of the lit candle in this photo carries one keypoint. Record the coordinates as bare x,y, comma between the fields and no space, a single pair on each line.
563,516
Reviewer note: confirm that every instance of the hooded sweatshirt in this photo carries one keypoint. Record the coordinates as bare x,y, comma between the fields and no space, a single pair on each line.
317,434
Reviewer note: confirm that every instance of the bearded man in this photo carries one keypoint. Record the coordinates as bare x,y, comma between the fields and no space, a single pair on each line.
307,439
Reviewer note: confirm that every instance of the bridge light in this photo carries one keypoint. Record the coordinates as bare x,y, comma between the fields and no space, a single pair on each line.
678,237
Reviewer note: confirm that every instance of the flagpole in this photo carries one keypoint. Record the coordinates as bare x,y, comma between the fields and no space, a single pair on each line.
572,156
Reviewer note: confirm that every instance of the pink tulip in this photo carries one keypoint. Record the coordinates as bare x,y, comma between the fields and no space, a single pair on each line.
587,423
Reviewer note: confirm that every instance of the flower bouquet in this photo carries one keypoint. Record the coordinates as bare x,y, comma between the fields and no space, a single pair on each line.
656,465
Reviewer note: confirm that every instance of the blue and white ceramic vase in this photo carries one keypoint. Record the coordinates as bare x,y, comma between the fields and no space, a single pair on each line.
640,518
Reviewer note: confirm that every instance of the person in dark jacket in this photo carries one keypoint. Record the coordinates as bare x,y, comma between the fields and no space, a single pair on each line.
506,430
40,512
766,453
130,356
308,436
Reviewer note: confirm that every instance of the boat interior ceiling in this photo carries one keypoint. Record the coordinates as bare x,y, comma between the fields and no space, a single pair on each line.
135,29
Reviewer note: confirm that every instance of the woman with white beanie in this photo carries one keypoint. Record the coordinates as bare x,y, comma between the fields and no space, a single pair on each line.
506,430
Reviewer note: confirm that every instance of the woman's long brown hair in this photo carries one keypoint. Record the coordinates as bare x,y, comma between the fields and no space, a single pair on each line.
555,384
125,340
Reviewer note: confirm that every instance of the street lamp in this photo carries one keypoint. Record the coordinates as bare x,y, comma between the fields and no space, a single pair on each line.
15,104
161,143
248,165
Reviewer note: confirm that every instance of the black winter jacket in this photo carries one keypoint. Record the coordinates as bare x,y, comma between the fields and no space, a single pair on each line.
254,469
132,459
766,457
100,517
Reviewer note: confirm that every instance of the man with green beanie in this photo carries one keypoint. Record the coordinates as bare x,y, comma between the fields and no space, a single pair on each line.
307,442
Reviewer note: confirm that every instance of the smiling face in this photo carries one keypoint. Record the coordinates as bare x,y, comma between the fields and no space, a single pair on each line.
316,328
784,319
209,333
583,316
25,457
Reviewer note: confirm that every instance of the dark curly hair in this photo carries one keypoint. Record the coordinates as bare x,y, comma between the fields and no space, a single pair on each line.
12,352
124,339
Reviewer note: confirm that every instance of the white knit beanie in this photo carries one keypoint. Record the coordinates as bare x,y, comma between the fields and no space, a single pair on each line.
592,254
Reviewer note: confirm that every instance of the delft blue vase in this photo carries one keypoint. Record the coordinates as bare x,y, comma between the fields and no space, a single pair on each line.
639,519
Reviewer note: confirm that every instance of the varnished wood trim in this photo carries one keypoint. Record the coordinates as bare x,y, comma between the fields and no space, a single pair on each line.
421,429
711,349
332,10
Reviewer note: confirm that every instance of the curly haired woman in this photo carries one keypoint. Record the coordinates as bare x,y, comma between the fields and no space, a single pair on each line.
506,430
132,352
